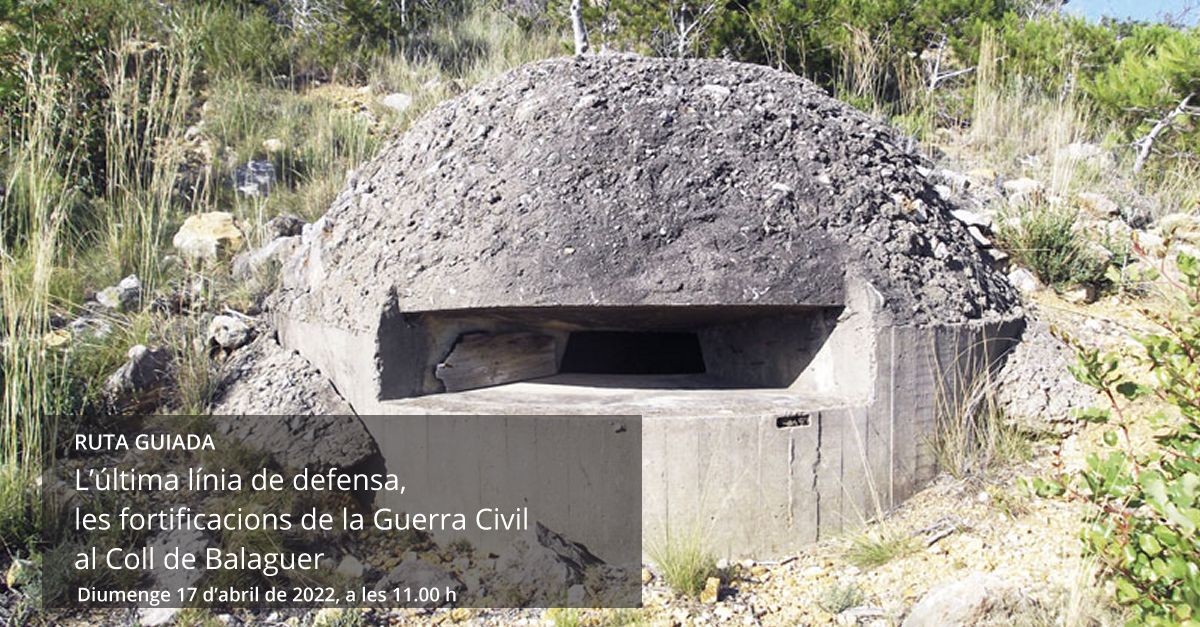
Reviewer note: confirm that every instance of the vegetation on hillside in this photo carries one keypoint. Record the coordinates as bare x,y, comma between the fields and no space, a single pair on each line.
120,118
1146,499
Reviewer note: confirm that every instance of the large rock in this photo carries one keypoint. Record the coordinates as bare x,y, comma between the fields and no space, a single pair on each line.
124,296
1024,280
255,178
208,236
351,567
1098,205
228,333
1024,189
141,381
979,600
90,327
970,218
297,415
1034,389
285,225
398,102
542,565
273,254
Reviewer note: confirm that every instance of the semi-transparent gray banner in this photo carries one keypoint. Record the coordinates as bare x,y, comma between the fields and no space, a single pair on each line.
311,511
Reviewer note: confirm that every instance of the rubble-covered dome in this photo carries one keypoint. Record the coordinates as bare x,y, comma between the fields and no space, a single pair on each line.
623,180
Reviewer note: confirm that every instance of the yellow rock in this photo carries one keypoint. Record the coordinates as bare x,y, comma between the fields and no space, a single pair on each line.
459,614
56,338
20,572
646,576
983,174
208,235
758,570
328,616
712,590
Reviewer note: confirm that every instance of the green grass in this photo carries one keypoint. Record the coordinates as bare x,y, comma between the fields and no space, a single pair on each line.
684,561
879,546
197,617
35,211
166,156
566,617
457,55
574,617
976,440
149,102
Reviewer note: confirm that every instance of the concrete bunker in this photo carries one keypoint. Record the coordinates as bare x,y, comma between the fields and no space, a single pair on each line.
761,272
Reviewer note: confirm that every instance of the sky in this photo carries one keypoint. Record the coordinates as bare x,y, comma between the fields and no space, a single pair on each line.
1137,9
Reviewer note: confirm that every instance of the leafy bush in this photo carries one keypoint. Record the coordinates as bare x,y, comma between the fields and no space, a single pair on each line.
69,33
1054,49
1147,503
237,41
810,38
1044,240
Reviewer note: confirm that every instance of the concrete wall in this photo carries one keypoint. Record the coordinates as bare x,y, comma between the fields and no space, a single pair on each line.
755,489
752,487
577,476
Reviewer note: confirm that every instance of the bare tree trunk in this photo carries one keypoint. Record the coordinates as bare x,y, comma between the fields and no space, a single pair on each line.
1146,143
581,40
689,24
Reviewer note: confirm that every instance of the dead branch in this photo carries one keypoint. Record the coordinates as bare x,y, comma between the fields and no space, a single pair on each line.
686,30
1146,143
938,78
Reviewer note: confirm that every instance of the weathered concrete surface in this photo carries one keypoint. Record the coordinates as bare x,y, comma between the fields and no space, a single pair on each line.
622,180
1034,390
569,191
763,471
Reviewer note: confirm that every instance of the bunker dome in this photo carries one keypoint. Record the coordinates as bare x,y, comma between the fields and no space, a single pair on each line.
757,269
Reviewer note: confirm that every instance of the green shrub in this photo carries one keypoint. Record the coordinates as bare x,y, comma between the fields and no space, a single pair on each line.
1146,503
1053,49
837,597
807,37
1044,240
338,617
237,42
